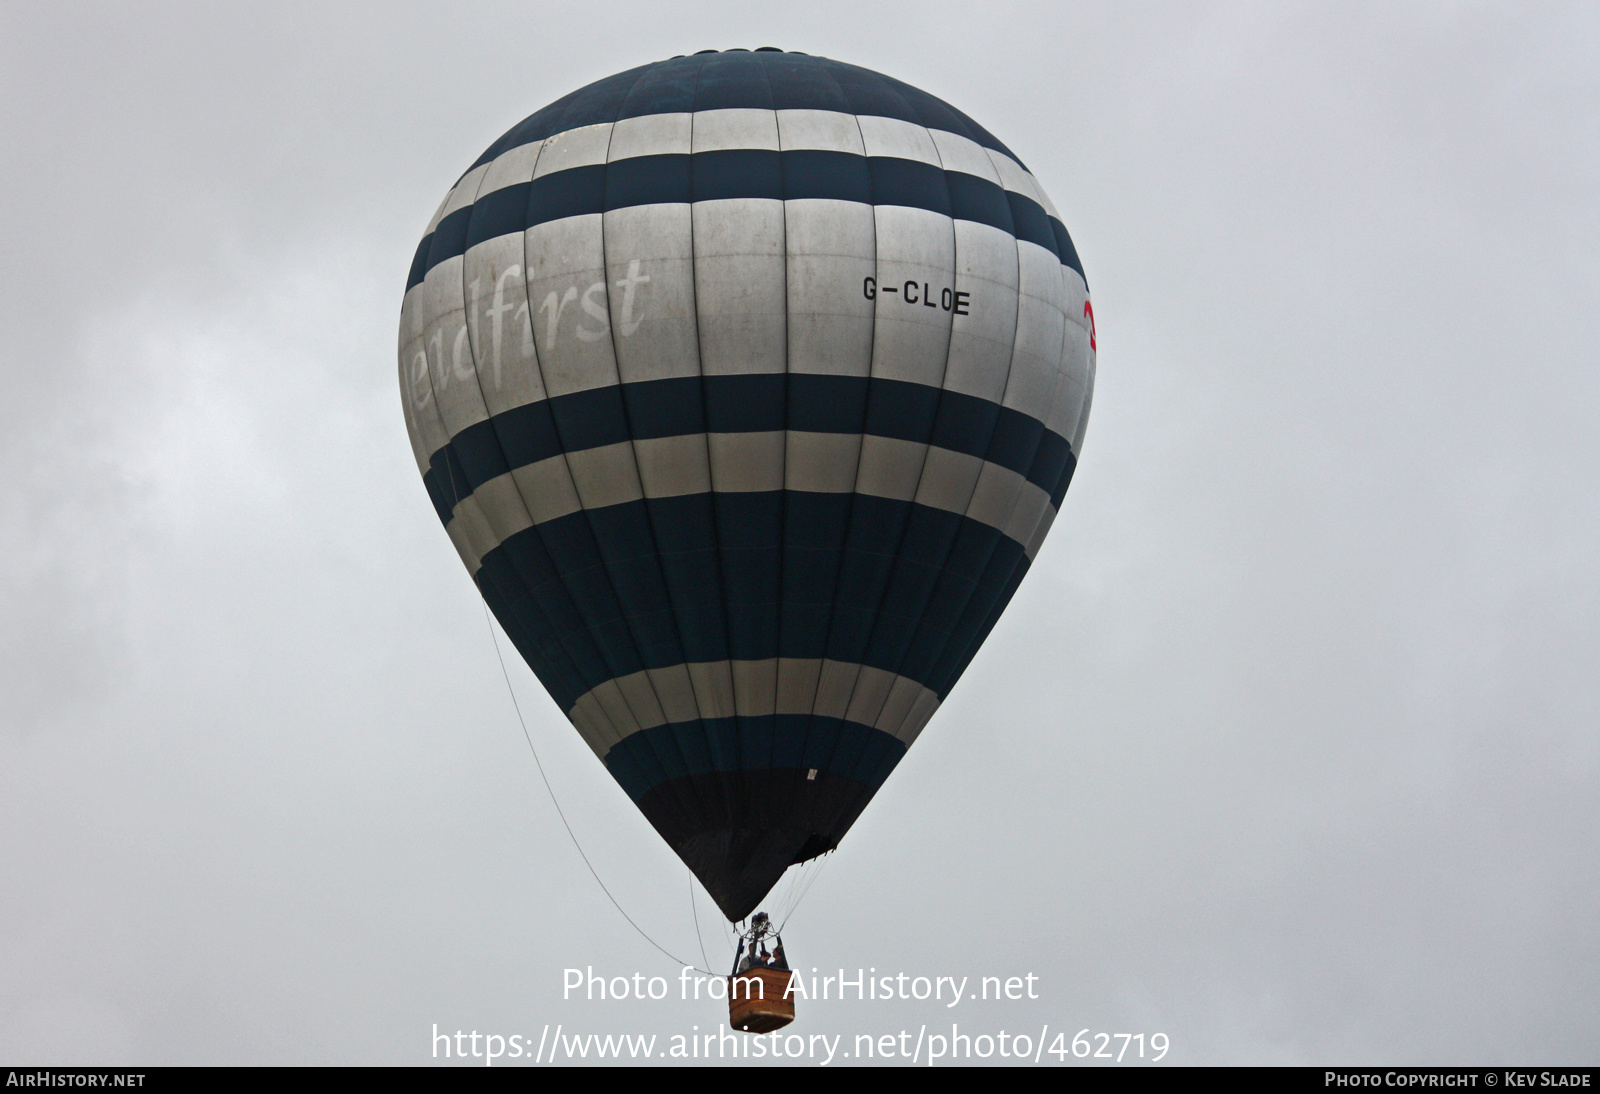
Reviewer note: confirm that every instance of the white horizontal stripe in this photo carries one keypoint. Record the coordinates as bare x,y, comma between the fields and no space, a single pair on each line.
715,130
981,341
739,286
958,153
824,130
605,476
744,463
574,148
901,140
650,135
1083,415
890,467
618,708
438,215
654,324
511,167
822,463
723,130
670,467
828,463
465,192
1012,176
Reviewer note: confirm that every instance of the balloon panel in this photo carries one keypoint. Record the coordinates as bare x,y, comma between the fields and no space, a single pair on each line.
747,386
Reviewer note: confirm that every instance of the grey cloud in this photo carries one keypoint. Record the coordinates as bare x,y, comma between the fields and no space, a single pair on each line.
1286,748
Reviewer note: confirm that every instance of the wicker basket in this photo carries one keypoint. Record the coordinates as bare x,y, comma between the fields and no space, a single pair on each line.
767,1007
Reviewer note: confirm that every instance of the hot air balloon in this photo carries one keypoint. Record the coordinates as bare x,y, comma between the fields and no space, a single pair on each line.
747,385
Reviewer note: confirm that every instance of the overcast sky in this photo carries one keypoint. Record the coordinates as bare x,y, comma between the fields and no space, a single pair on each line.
1286,748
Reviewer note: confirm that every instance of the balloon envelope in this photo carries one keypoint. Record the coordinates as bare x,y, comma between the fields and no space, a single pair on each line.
747,385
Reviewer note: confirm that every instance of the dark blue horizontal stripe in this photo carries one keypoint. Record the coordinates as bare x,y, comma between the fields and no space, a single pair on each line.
650,757
913,184
976,199
563,194
645,180
449,238
649,584
1032,223
1051,465
733,173
756,403
419,263
744,173
940,569
841,176
983,612
956,622
497,213
731,79
742,79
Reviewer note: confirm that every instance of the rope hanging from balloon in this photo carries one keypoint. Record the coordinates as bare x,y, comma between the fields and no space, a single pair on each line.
568,826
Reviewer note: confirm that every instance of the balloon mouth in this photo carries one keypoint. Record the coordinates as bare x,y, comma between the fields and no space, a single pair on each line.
739,867
765,822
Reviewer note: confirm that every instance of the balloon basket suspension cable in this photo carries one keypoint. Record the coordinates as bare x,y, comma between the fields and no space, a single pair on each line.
567,825
694,910
798,887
